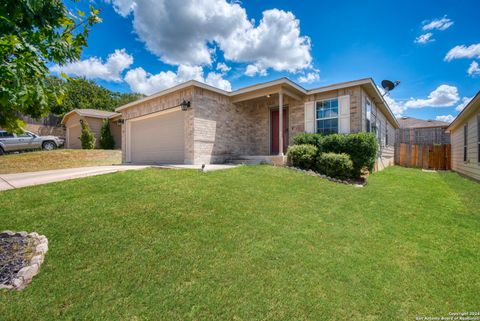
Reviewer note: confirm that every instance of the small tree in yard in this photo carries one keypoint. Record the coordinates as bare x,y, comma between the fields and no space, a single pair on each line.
106,138
86,137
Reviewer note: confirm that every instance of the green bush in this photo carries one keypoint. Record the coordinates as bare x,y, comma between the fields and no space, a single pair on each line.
362,147
86,137
308,139
335,165
302,156
106,139
335,143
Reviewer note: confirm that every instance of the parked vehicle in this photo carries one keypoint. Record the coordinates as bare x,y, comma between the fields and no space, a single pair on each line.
27,141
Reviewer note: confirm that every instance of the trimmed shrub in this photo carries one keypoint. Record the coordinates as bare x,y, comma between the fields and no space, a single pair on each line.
106,139
86,137
302,156
362,147
335,165
335,143
308,139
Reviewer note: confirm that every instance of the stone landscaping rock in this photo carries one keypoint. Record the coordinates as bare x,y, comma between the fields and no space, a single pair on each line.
21,255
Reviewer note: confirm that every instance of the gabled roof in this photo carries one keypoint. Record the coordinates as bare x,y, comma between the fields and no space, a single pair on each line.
367,83
94,113
472,107
410,122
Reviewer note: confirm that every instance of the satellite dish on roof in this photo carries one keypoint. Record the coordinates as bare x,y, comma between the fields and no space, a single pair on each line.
389,85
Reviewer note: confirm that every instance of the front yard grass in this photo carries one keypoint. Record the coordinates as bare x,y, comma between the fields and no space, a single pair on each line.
250,243
56,159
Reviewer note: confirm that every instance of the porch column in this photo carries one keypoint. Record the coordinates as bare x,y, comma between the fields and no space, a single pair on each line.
280,123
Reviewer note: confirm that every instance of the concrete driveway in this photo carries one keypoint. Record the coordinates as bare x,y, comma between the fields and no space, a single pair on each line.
10,181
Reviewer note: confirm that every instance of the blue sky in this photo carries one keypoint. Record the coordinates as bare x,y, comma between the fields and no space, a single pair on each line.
154,44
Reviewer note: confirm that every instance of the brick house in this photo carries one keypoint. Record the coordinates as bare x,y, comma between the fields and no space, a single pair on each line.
220,126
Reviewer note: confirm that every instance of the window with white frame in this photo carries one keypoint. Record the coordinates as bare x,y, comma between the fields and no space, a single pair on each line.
326,116
368,115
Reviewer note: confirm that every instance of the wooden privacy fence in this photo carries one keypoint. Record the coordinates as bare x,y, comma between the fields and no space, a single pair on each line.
424,156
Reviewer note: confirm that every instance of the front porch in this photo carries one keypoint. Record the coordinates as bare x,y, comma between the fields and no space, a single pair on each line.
269,129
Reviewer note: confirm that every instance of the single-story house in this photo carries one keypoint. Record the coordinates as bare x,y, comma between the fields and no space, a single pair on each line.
465,136
94,118
194,123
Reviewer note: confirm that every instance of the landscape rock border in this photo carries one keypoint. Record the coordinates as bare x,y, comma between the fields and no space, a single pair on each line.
332,179
26,273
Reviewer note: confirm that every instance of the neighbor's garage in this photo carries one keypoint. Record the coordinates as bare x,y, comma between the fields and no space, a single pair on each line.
157,138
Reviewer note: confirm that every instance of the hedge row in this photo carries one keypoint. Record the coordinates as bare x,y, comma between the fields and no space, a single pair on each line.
332,152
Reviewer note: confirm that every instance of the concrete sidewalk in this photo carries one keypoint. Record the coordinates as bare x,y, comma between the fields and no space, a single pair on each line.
10,181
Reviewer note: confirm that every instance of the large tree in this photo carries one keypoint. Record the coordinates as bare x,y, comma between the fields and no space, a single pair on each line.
83,93
34,33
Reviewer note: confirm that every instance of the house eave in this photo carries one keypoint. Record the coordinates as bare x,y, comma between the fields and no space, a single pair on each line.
465,113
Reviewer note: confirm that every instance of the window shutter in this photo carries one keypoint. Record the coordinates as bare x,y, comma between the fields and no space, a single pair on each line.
344,114
310,117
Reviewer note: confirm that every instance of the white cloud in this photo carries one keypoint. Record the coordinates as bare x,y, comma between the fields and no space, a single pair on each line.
424,38
443,96
142,82
222,67
310,77
95,68
122,7
473,70
462,51
188,32
275,43
253,70
439,24
465,101
396,107
445,118
216,80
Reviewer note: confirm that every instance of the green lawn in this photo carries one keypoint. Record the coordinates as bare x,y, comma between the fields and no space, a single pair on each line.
251,243
56,159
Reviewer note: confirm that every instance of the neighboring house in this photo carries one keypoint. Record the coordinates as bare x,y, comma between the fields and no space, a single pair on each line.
221,126
465,133
94,118
421,132
410,122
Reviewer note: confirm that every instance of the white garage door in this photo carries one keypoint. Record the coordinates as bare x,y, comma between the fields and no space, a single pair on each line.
158,139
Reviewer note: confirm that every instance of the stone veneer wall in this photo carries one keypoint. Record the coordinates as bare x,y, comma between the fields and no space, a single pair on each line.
221,129
163,103
224,130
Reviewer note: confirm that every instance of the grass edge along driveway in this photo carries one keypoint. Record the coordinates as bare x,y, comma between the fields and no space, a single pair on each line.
57,159
250,243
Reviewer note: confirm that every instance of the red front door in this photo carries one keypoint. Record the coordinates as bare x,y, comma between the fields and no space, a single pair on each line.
274,132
